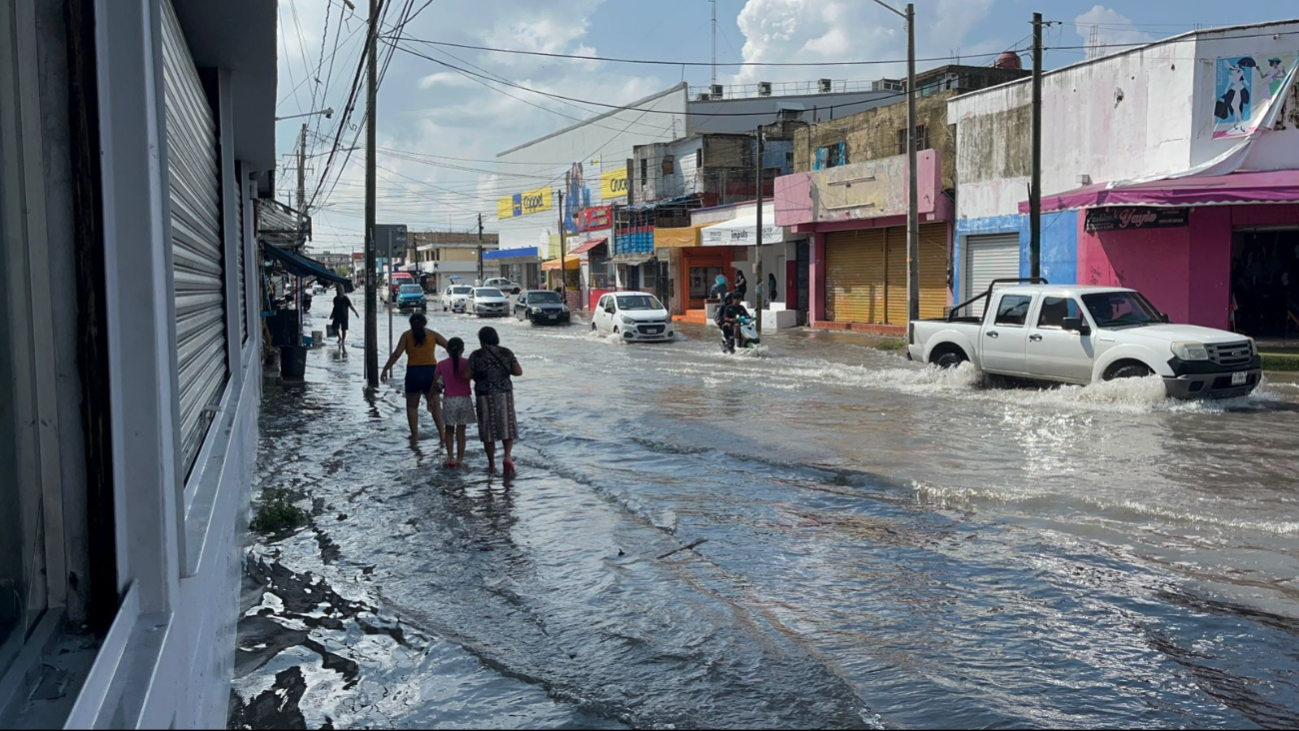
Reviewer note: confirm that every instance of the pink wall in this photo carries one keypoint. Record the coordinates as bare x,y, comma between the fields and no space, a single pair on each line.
1184,271
816,285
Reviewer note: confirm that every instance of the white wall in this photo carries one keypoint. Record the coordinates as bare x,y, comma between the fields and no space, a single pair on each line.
607,139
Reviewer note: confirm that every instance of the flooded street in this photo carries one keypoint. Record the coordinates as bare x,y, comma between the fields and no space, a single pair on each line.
822,536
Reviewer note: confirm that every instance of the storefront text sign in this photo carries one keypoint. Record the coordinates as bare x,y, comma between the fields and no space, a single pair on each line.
1131,218
594,219
745,236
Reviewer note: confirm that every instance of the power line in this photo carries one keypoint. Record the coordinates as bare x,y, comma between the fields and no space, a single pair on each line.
655,62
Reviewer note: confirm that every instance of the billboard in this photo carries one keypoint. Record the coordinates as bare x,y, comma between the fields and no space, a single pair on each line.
536,200
613,184
1247,88
595,219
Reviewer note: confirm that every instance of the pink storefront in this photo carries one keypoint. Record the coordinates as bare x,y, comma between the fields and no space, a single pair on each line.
1218,251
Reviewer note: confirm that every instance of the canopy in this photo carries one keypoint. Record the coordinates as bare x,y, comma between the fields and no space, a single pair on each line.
302,266
742,231
676,238
1276,186
570,262
587,246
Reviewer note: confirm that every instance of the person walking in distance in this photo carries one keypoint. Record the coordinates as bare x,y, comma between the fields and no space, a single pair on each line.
492,368
741,285
420,346
339,317
457,405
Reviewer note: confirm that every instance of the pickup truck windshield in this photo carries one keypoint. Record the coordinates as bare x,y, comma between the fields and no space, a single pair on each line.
1121,309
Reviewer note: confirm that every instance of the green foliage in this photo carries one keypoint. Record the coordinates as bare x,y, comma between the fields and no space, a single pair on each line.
277,514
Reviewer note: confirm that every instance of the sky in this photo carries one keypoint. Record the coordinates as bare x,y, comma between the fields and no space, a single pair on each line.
439,130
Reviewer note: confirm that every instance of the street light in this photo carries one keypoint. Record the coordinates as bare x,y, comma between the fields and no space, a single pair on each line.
329,114
913,192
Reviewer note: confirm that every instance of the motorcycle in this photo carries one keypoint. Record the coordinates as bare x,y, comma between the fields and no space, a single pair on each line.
748,332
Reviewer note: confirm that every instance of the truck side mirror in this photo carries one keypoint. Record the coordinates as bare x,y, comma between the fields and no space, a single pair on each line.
1078,325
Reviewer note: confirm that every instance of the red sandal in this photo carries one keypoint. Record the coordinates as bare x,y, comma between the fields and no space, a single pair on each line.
510,469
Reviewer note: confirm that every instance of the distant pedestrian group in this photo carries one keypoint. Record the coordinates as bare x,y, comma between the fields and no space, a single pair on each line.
460,391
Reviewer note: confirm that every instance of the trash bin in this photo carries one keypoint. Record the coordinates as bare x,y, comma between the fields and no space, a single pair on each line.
286,328
293,362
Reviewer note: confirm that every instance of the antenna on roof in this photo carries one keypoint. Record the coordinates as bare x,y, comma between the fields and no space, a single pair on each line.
713,3
1094,42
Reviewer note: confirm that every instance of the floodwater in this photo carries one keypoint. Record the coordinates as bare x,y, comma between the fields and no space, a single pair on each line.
822,536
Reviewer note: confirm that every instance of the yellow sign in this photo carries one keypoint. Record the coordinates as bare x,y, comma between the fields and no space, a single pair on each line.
521,204
613,184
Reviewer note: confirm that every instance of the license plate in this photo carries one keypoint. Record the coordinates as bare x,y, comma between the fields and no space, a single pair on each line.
653,330
552,317
1238,379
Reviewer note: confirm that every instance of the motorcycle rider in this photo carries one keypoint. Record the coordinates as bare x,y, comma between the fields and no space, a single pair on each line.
728,319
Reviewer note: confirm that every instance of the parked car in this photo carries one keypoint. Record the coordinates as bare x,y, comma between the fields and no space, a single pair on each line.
488,302
503,284
1082,335
540,306
455,297
633,316
411,297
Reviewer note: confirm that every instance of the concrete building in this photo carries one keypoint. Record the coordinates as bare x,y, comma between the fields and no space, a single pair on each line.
1153,174
134,137
451,256
850,196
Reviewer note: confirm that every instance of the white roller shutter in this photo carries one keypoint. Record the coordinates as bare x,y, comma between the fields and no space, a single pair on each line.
192,165
988,258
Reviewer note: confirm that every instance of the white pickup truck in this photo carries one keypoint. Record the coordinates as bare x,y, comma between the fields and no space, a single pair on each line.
1083,335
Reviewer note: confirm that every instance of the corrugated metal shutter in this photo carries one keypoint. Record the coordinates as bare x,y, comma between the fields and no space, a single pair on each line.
988,258
242,317
933,272
854,276
197,259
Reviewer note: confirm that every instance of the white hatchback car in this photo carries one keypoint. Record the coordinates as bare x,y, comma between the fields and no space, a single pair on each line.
455,297
488,302
634,317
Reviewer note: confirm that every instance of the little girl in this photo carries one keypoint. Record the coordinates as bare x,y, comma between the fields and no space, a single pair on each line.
457,405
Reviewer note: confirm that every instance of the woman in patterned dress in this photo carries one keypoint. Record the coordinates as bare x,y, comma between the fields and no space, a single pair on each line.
492,367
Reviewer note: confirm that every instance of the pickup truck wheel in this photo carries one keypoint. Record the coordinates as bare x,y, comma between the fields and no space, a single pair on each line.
1131,370
950,359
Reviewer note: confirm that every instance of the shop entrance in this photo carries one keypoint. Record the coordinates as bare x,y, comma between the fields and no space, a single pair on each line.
1265,283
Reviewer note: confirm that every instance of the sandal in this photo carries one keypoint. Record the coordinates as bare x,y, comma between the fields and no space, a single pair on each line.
510,469
450,464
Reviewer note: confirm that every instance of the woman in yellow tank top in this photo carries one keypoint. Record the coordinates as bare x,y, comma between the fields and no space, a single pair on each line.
420,346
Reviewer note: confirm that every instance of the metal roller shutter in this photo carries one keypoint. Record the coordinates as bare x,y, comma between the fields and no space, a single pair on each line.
854,276
988,258
201,359
933,272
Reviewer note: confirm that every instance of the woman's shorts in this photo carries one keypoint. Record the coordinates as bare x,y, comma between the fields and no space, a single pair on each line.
420,379
458,411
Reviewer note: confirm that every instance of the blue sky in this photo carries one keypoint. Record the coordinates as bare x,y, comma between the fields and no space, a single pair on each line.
432,111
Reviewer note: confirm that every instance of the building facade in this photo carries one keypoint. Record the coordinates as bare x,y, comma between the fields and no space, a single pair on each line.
135,136
1158,173
452,256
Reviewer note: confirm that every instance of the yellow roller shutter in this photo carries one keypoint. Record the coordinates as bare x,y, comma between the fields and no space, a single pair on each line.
933,272
854,276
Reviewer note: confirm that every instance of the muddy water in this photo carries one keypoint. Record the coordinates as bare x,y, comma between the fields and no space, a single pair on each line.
824,535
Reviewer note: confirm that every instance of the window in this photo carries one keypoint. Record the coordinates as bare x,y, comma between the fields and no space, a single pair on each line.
1013,310
699,158
922,139
644,171
1122,309
831,156
1055,310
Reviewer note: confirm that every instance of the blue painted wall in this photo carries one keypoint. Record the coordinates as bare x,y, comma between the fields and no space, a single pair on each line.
1059,246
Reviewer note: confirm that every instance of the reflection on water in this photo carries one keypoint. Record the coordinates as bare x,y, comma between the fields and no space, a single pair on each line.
825,535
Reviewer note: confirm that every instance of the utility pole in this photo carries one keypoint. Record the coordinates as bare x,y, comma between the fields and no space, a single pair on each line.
714,81
563,243
302,176
480,247
371,302
913,185
757,258
388,285
1035,185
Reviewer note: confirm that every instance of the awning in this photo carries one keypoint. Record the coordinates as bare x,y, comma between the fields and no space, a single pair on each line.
588,245
1276,186
742,231
632,260
552,265
676,238
302,266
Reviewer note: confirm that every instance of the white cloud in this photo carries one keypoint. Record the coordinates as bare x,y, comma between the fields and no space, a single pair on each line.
1112,27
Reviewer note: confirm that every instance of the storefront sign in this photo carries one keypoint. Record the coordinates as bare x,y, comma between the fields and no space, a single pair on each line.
613,184
721,235
594,219
522,204
1127,219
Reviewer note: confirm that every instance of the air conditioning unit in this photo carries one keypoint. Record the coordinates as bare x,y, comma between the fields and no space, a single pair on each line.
717,91
789,115
826,85
703,96
764,88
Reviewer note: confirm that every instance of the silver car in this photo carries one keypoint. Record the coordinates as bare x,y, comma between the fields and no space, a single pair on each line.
488,302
